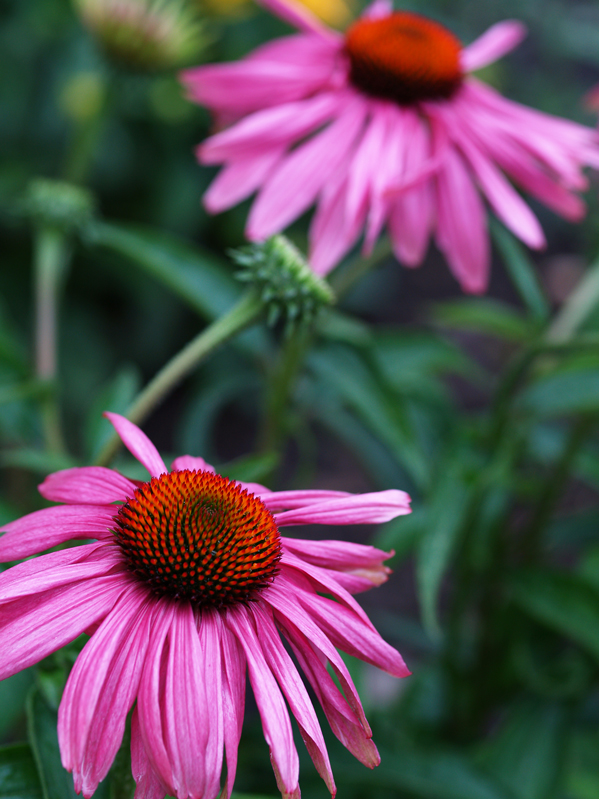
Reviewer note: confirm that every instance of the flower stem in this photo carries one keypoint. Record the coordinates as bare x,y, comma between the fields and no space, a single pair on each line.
51,258
341,280
246,311
279,389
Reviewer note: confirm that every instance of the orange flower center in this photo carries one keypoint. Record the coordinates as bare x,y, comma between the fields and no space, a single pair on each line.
199,536
403,57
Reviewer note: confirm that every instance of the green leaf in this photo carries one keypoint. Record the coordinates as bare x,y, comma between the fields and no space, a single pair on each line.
116,396
13,693
438,544
521,270
382,411
435,774
201,279
564,602
18,774
250,468
484,315
569,391
43,737
527,753
37,461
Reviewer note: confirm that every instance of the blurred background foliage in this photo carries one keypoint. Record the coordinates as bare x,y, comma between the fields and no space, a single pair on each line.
484,409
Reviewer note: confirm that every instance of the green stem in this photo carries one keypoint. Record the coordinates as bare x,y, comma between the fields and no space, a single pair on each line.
246,311
51,258
282,378
553,488
86,134
579,305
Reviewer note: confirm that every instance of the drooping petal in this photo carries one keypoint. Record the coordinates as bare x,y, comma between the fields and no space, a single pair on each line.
373,508
238,180
331,237
210,672
101,689
138,444
286,674
46,528
307,169
233,683
357,567
33,627
462,226
193,464
147,783
274,715
56,569
492,45
273,128
345,723
86,485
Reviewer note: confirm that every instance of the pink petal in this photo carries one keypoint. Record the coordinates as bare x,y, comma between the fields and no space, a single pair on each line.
147,783
209,667
323,580
46,528
330,235
345,723
462,226
365,563
93,485
274,715
492,45
294,186
286,674
256,135
373,508
138,444
378,9
193,464
281,596
233,683
239,180
280,500
57,569
101,690
34,627
281,71
349,633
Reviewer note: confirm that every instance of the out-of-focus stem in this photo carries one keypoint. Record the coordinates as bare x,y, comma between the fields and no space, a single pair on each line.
577,307
343,279
282,379
247,310
51,258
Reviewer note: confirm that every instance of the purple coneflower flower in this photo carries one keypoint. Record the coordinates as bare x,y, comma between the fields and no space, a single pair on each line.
187,585
385,126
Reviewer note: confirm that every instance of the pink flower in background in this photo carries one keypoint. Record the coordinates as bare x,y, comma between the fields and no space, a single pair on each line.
384,126
187,585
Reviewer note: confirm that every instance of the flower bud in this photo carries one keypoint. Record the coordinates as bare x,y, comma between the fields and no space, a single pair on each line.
144,35
283,279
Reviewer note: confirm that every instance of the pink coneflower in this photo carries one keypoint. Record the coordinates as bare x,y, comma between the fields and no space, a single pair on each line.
385,126
188,584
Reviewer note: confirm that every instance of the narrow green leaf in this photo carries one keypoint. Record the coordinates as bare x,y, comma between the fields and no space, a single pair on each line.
201,279
18,774
116,396
37,461
527,753
569,391
439,542
13,693
484,315
250,468
435,774
565,602
43,737
521,270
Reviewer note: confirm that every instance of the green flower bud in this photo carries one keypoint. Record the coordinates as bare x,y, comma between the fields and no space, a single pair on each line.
285,282
144,35
58,204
